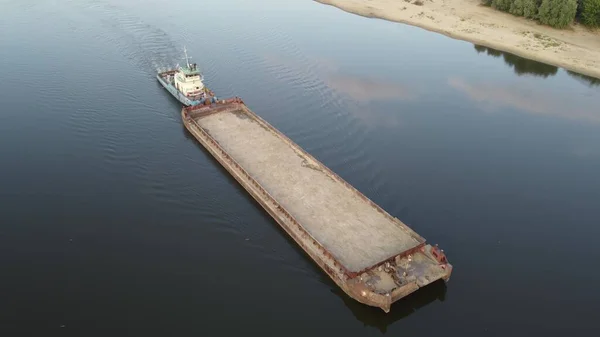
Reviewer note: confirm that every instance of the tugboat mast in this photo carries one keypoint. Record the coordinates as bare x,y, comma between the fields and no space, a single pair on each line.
187,62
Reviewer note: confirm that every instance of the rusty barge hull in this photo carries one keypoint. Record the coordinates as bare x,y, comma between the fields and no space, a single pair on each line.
374,257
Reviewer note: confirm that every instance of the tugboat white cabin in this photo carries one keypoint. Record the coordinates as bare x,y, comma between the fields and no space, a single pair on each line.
186,84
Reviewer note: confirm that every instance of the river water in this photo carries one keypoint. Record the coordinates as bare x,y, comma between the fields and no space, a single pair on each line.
114,221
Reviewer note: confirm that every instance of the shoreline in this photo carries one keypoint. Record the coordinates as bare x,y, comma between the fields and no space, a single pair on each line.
576,48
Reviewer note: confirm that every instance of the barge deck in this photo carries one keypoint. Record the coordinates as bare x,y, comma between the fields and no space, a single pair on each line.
374,257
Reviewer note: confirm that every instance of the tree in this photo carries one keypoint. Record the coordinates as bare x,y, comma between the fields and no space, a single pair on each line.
526,8
516,7
503,5
530,8
557,13
590,12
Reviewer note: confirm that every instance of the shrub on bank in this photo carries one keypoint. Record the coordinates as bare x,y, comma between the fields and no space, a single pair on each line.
530,8
590,12
557,13
516,7
503,5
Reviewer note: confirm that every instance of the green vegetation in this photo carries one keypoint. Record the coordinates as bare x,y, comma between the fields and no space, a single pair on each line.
555,13
526,8
530,8
503,5
517,7
589,12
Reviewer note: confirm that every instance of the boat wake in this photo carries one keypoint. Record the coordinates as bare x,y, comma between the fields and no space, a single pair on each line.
149,47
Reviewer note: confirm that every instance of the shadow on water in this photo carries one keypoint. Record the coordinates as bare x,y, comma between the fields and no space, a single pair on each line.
520,65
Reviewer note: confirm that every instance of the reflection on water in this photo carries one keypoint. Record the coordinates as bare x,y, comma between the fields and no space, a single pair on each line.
343,85
360,88
365,90
520,65
523,66
585,79
523,97
529,97
371,316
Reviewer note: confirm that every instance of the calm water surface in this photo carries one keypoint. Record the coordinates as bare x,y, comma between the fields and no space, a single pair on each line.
115,222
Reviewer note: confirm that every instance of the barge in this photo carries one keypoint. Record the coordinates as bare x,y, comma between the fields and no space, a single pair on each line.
372,256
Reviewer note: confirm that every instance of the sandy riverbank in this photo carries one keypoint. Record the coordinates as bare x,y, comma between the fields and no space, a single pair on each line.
575,48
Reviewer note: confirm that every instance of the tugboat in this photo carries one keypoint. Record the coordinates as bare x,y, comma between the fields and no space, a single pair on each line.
185,84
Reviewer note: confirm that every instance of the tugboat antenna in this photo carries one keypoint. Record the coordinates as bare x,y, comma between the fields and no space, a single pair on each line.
187,62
